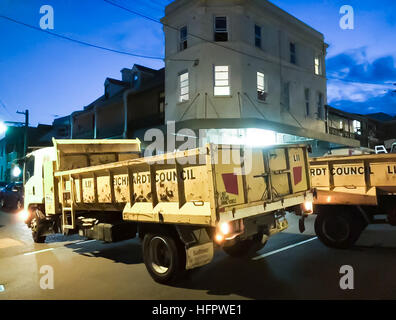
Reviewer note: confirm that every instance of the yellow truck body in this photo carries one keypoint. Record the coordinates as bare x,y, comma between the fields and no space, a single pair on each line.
229,195
350,193
353,180
206,190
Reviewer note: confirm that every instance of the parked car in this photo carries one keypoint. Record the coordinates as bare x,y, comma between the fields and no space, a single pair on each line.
2,185
11,197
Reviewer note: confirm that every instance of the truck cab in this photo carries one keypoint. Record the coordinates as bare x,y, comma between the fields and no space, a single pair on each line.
33,176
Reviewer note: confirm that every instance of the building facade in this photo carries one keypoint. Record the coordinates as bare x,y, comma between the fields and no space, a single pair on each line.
12,148
129,104
241,64
370,130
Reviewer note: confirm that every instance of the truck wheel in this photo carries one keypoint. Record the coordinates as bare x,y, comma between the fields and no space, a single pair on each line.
338,229
245,248
36,227
164,257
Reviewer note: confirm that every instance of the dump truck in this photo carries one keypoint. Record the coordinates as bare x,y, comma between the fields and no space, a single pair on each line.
182,205
352,192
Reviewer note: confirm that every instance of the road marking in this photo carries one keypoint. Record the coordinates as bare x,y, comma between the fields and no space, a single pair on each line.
34,252
86,241
284,249
2,289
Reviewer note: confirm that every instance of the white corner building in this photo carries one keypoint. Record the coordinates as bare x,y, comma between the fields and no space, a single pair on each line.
237,64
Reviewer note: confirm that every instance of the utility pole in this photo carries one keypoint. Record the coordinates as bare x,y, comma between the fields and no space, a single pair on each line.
25,144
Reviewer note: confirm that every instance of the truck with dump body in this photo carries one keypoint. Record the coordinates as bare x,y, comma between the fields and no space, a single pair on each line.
352,192
181,204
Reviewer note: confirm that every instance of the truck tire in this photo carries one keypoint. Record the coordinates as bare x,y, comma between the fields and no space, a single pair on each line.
164,257
245,248
338,230
37,227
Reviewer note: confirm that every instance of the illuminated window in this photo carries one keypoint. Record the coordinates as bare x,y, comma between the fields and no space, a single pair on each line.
357,127
221,32
261,90
318,65
222,81
184,87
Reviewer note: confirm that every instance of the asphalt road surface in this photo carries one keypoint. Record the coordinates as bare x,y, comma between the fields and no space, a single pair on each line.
291,266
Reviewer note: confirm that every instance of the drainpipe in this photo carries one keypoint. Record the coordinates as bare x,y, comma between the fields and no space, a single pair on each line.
95,114
71,126
125,98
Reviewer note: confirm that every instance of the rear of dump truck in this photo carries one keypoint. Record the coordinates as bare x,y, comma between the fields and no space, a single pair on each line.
352,192
180,204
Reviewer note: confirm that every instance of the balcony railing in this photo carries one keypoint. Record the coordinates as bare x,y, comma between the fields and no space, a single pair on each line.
343,133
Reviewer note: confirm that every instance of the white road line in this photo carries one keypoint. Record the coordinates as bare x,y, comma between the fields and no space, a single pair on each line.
34,252
86,241
50,249
283,249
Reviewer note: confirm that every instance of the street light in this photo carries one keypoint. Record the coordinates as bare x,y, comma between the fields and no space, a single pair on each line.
3,128
16,172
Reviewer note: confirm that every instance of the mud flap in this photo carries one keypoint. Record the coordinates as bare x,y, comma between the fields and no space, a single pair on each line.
200,255
198,245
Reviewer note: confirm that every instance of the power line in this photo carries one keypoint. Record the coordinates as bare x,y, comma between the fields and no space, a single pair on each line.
81,42
177,29
5,108
218,44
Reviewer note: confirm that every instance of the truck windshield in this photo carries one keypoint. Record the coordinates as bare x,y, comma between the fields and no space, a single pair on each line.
29,168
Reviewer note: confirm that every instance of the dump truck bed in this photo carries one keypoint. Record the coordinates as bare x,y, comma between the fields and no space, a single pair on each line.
200,186
354,180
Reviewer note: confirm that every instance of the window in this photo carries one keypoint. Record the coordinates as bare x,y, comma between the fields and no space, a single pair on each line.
357,127
261,92
293,55
318,65
257,36
222,82
307,95
162,102
29,168
135,80
183,38
184,87
320,105
221,33
286,95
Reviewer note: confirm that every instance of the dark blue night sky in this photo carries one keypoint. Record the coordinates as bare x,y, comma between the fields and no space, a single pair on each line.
54,77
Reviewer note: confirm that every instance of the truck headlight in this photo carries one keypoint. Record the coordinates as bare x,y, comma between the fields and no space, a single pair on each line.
23,215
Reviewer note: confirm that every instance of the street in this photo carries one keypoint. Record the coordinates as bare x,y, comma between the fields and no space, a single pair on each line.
291,266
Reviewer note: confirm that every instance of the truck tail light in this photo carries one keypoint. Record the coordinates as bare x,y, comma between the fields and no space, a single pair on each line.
228,230
308,207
